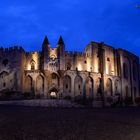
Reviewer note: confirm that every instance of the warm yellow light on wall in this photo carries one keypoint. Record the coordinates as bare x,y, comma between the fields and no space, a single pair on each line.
53,53
95,66
35,57
88,65
79,66
112,69
112,72
107,70
28,67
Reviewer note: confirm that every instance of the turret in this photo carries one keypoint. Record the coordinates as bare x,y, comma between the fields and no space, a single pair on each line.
45,50
61,52
61,47
46,45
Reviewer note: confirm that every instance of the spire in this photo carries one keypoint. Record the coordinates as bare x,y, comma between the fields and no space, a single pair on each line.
46,41
60,42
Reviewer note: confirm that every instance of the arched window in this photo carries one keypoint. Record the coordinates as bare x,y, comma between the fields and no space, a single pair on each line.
28,84
78,85
109,87
68,66
99,87
54,76
67,84
4,84
39,84
54,79
89,87
32,66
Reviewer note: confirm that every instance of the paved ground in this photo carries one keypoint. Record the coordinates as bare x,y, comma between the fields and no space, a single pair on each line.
41,103
36,123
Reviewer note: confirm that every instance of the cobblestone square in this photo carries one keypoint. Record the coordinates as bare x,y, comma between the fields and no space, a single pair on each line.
36,123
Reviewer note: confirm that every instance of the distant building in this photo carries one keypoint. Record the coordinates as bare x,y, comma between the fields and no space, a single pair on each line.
101,71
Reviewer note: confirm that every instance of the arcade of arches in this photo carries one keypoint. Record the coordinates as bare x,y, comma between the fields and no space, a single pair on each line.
58,87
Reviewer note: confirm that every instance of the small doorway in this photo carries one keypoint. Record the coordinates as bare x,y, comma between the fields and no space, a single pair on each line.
53,93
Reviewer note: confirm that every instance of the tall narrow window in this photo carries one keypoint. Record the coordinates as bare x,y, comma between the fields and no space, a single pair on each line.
108,59
66,86
79,87
4,84
68,66
32,66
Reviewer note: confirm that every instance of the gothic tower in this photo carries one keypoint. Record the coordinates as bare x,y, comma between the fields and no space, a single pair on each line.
61,53
45,52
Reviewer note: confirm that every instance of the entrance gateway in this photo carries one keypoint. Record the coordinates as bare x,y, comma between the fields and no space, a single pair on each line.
53,93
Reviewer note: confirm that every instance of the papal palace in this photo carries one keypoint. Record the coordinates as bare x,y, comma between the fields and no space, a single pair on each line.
99,72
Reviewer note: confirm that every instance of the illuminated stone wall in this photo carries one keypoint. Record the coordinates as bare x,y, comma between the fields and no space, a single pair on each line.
101,71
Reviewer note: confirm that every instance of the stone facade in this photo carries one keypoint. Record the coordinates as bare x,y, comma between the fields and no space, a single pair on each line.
99,72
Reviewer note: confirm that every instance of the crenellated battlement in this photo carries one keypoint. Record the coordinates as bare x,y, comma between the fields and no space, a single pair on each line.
12,49
74,54
56,73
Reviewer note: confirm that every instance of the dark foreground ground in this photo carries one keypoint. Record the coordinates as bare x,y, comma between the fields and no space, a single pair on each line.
29,123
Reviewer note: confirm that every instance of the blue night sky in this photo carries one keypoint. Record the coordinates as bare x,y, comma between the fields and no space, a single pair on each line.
26,22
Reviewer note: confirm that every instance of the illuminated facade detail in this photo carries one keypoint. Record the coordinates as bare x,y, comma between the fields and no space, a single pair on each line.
101,71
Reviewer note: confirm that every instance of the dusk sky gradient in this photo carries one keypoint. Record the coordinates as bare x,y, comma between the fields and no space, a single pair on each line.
26,22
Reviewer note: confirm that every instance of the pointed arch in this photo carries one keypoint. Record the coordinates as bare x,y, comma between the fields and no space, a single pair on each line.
28,84
40,84
4,80
54,80
32,64
117,86
99,88
4,73
109,87
67,84
89,87
78,85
